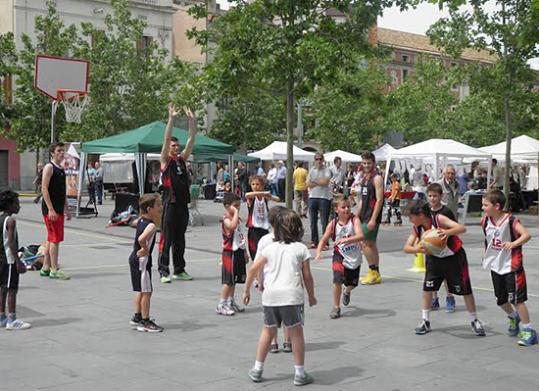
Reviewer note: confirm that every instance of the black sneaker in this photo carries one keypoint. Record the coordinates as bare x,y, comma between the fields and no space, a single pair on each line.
477,328
423,328
135,320
149,326
346,298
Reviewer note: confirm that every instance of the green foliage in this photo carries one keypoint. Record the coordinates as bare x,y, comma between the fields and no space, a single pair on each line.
129,85
348,109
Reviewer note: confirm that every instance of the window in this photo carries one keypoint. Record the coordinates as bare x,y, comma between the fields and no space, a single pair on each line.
404,58
144,43
404,75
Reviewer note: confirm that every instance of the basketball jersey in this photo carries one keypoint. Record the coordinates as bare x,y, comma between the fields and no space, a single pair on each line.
258,214
234,241
368,198
141,227
496,258
350,252
5,250
175,179
57,191
454,244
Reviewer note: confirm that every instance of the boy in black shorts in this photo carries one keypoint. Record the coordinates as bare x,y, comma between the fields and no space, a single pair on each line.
234,259
451,264
434,195
10,264
140,262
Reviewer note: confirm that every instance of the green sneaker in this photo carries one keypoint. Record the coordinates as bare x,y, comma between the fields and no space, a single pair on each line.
528,337
165,279
58,275
44,273
183,276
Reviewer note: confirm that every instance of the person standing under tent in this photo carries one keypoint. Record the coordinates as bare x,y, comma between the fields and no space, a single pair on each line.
99,174
54,207
338,176
371,201
301,193
281,178
272,179
319,198
450,188
176,197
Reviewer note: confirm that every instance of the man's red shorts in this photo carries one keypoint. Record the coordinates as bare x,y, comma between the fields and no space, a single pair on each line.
55,229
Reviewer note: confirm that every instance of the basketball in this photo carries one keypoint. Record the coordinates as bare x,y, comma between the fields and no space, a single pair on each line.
432,243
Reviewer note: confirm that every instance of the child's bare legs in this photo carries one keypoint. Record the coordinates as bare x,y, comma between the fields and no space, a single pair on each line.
348,289
426,302
298,342
226,292
3,302
469,301
145,304
337,289
286,335
274,340
521,308
266,336
137,303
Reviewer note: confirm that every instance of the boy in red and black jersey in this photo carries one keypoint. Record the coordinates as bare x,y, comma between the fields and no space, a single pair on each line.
451,264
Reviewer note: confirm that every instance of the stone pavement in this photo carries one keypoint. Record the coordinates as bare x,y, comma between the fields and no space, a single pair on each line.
81,339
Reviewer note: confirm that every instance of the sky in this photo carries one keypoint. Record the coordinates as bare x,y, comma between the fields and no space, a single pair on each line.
413,21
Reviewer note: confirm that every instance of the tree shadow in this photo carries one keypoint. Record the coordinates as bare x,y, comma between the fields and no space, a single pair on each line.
55,322
354,311
187,326
313,346
336,375
465,332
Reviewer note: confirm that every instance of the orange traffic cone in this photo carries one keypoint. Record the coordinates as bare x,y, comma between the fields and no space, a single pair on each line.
419,264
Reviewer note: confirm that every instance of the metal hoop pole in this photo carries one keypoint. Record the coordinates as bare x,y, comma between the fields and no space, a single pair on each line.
53,115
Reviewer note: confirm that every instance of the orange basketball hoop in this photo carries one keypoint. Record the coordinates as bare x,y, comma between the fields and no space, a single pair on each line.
74,102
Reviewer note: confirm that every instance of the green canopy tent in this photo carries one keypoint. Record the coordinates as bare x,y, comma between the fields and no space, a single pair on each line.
148,139
205,158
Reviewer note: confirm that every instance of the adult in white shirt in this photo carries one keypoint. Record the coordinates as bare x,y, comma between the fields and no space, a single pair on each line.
320,196
272,179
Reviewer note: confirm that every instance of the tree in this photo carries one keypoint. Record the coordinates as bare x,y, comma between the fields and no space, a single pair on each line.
8,61
286,47
421,107
348,109
510,32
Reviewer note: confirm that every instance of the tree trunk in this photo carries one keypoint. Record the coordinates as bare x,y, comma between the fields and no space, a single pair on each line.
289,142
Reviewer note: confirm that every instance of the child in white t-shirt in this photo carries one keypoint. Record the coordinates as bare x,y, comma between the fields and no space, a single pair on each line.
285,263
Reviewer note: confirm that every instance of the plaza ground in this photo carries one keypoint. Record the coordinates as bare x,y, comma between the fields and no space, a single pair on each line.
81,340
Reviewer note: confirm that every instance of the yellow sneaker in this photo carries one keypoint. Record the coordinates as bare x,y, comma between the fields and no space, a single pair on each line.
373,277
367,277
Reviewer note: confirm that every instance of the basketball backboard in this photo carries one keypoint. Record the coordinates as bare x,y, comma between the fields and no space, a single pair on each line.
56,73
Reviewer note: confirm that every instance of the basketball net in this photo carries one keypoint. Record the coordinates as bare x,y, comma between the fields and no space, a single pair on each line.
74,103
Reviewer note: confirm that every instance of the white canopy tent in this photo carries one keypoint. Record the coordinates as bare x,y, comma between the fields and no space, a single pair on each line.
346,157
522,148
440,151
277,151
383,153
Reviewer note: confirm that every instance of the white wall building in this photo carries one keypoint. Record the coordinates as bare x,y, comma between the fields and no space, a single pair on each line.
17,16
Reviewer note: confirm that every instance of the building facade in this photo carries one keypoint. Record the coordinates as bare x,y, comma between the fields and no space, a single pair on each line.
18,16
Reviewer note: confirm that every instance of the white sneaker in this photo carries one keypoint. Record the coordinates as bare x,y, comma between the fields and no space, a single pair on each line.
18,325
224,309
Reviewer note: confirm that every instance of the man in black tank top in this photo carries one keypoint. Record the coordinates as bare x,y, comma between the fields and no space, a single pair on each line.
371,200
176,197
53,207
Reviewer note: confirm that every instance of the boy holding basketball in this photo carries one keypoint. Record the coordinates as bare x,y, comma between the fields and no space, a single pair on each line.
434,196
504,237
449,263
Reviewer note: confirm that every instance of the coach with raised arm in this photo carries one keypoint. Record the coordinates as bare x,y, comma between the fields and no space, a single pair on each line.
176,197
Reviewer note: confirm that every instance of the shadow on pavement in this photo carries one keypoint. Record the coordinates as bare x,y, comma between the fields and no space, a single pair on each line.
336,375
55,322
187,326
353,311
313,346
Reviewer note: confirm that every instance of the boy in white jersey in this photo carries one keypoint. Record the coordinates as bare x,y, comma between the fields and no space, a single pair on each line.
504,237
346,233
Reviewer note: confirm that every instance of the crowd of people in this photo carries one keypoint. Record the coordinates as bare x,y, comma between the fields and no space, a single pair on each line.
274,242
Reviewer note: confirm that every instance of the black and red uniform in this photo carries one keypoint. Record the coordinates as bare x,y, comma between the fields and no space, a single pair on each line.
256,229
233,268
57,193
176,198
453,267
368,198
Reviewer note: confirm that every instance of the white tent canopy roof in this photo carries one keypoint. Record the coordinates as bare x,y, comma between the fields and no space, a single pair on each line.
277,151
383,153
522,148
440,147
346,157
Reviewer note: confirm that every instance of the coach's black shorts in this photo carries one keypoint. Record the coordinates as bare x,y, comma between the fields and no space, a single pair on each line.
233,269
343,275
9,276
141,274
510,287
454,269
